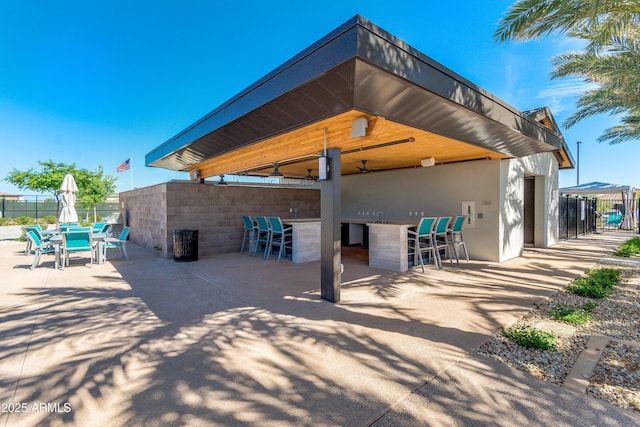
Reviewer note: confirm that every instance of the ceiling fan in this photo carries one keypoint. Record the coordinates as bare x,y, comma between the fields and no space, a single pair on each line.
363,168
309,177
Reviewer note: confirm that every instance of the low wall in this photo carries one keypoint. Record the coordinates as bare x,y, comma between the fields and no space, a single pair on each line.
215,211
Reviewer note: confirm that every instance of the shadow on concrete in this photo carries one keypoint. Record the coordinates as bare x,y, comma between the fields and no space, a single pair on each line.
237,340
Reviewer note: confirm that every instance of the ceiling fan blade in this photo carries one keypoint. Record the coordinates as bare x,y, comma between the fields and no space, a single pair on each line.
363,168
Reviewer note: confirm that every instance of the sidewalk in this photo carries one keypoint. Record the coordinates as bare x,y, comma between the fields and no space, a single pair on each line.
237,340
10,232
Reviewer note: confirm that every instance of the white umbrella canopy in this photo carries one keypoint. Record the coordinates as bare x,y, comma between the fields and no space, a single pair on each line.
69,188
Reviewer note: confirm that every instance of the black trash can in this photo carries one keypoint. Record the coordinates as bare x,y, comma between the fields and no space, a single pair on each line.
185,245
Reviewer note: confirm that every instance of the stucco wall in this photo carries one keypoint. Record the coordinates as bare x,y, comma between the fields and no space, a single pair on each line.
215,211
544,169
494,186
435,191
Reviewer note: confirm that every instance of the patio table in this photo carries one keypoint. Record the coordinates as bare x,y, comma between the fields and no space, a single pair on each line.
57,241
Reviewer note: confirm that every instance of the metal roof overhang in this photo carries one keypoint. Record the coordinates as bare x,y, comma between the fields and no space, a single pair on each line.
358,70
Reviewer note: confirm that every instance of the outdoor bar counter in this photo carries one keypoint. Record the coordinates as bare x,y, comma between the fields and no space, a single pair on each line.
387,241
388,245
305,239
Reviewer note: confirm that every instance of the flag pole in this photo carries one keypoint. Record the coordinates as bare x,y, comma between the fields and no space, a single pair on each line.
131,170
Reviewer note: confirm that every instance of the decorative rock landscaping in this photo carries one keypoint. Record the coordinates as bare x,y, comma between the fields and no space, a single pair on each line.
616,377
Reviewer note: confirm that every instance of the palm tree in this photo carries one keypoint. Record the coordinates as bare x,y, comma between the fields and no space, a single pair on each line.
610,59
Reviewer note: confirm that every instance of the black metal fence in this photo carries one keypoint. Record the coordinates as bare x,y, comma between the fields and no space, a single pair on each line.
581,215
39,207
577,216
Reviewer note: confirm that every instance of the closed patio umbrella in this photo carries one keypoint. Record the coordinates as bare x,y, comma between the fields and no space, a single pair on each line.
69,188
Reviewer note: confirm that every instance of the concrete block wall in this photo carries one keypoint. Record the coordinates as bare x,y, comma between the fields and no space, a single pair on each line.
144,210
215,211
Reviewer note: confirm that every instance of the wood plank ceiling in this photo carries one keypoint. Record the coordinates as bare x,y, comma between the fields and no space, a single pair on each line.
386,145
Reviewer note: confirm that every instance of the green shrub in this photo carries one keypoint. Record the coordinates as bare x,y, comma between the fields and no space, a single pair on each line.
575,316
530,337
25,220
629,248
598,283
589,306
49,219
6,221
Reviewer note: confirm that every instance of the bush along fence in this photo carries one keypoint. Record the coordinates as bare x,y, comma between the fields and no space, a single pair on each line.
41,207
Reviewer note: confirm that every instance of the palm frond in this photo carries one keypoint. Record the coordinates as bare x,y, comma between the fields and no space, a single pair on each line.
602,100
628,130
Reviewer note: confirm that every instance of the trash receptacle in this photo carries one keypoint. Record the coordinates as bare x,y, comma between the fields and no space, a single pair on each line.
185,245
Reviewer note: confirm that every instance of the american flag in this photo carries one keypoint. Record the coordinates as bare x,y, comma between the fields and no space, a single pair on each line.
124,166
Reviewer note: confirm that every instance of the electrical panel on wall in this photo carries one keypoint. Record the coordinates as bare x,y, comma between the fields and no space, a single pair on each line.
469,209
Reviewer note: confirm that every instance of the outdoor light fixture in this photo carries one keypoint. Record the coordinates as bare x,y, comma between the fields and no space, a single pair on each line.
276,172
196,173
428,162
222,181
322,168
359,127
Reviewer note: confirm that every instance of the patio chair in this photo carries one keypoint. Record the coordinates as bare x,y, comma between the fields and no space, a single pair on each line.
280,237
106,229
441,239
39,247
66,226
455,237
250,233
97,227
78,239
263,236
614,220
421,241
39,232
120,243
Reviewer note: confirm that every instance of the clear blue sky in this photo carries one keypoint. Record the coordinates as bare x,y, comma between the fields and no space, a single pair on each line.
94,83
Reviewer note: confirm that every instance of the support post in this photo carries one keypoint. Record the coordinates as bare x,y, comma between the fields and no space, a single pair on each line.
330,239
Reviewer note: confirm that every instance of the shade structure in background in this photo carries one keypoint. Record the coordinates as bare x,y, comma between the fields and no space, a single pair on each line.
627,194
69,188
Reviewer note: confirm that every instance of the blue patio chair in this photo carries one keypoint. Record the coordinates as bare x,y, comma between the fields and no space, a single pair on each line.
455,237
39,247
250,233
38,231
421,241
263,236
280,237
77,239
65,226
106,229
614,220
441,238
120,243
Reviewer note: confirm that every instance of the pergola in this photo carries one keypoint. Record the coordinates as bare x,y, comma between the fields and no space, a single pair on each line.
359,93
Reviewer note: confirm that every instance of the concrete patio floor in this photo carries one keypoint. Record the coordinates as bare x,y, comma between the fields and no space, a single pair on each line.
237,340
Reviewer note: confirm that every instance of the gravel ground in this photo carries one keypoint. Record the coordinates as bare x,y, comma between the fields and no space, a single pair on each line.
617,375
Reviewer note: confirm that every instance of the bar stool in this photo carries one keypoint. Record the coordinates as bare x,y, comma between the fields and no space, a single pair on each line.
440,238
455,237
250,233
280,236
263,235
421,241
